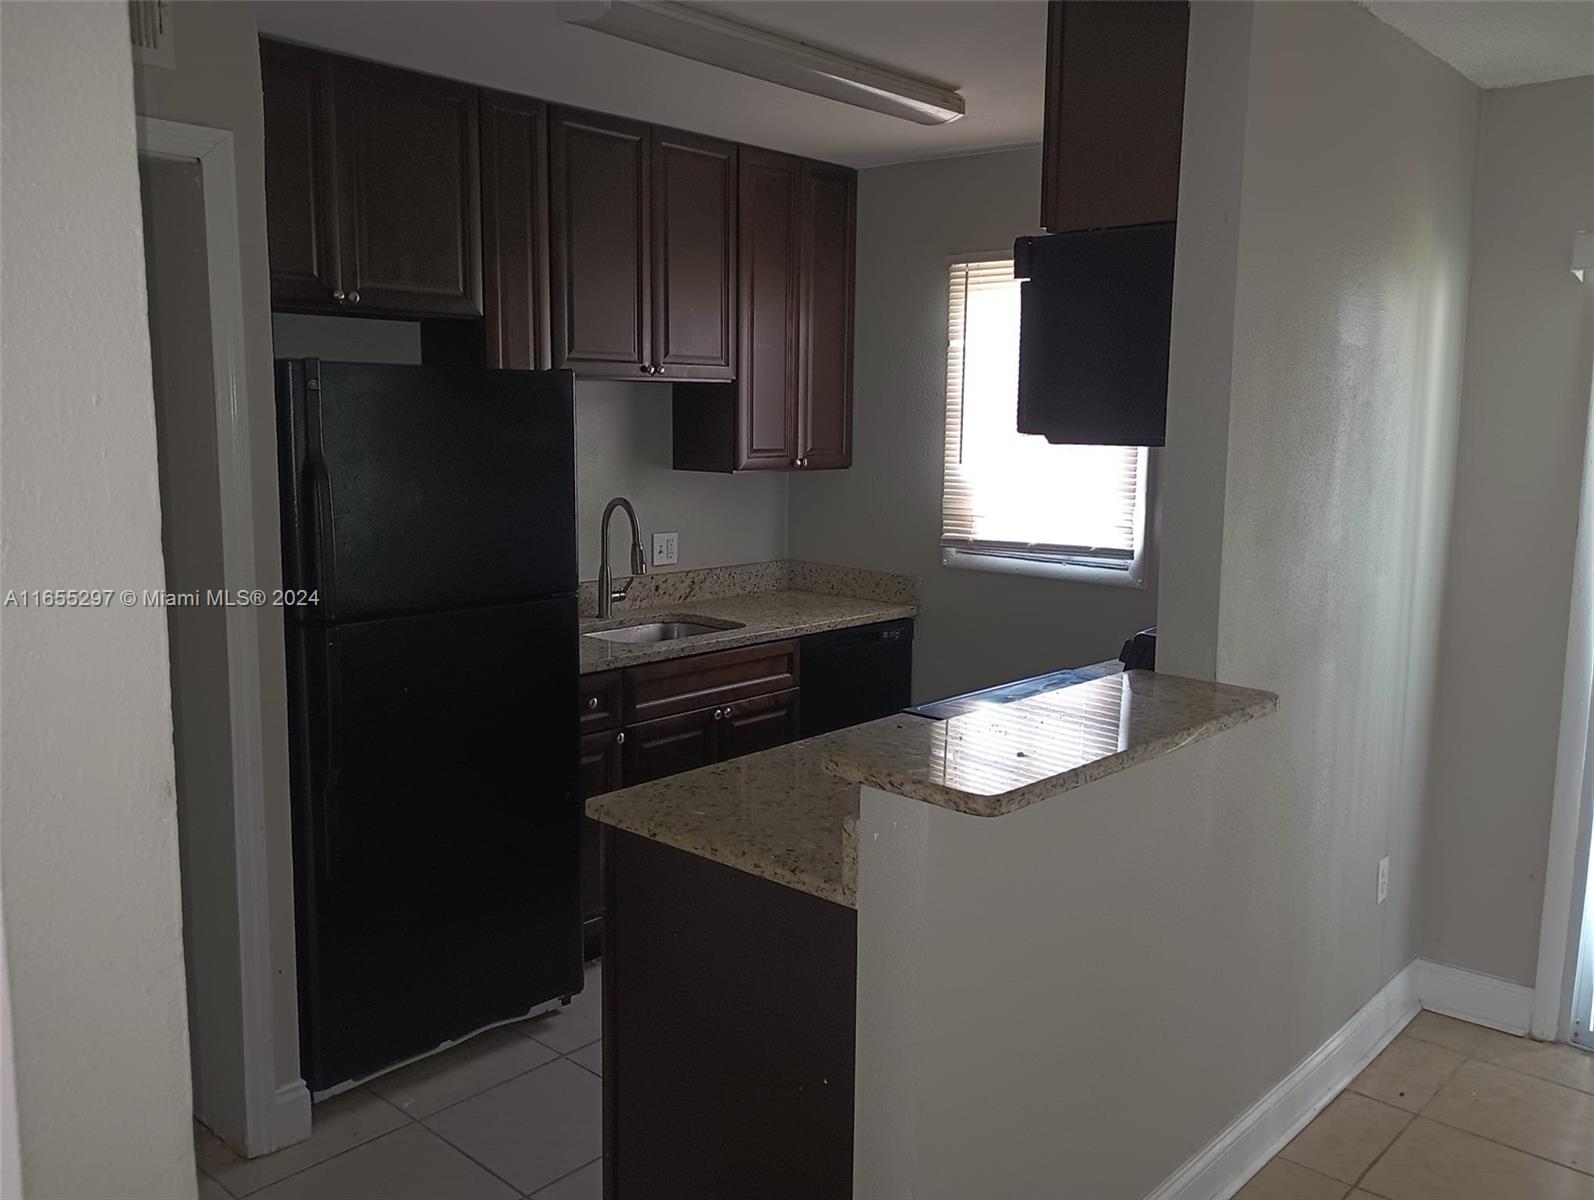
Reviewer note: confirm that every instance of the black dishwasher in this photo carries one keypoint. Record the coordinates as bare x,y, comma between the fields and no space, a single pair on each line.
850,676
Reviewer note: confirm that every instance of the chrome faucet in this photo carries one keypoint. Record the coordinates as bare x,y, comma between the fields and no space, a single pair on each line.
607,592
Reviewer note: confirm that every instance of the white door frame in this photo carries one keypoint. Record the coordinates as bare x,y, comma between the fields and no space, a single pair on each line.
1561,925
265,1117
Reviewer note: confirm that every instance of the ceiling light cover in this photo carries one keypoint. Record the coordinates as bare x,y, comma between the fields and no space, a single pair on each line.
707,37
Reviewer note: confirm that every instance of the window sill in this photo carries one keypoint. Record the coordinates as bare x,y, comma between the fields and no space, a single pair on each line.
1132,576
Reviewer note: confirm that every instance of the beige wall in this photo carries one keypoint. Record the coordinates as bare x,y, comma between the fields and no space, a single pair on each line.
175,263
1147,956
976,628
1351,288
88,832
1509,584
217,83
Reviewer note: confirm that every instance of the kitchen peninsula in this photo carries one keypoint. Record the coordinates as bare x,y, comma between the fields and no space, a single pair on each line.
840,910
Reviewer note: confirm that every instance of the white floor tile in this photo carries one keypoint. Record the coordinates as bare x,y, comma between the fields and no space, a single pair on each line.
338,1124
457,1074
585,1184
412,1163
577,1024
590,1057
532,1130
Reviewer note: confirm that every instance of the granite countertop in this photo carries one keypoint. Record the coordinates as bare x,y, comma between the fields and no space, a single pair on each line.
790,814
765,616
776,814
1007,757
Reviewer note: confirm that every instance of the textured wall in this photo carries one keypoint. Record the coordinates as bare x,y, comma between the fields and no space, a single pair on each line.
1150,954
217,83
88,832
976,628
1351,290
1530,345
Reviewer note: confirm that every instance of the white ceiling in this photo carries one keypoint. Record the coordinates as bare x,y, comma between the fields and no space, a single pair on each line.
1499,43
993,51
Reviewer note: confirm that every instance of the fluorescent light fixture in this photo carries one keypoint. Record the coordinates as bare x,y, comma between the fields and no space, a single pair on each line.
696,33
1582,254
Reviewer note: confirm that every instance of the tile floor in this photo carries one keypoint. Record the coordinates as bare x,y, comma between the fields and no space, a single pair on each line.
1448,1111
511,1113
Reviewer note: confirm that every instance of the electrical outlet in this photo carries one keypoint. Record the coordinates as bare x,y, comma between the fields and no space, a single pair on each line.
1383,879
664,549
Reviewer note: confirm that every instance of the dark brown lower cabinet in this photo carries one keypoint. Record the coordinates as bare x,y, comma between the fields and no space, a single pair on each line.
761,723
599,772
729,1025
669,745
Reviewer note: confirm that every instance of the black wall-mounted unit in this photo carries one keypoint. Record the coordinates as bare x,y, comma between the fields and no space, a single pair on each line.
1093,340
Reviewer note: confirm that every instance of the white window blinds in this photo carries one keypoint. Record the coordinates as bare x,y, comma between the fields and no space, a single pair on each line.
1010,494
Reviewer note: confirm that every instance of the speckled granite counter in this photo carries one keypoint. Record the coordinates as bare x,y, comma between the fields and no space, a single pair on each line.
777,814
790,814
1001,759
764,616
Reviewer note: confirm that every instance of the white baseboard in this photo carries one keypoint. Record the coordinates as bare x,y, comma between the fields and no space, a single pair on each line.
1471,996
1223,1166
290,1116
1256,1135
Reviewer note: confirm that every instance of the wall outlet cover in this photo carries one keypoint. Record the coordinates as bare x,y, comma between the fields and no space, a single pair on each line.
1383,879
665,549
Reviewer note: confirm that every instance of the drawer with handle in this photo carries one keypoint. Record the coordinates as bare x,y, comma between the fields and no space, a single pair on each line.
600,701
707,681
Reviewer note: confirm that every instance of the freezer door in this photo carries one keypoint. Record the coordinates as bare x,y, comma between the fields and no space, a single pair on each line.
417,489
436,834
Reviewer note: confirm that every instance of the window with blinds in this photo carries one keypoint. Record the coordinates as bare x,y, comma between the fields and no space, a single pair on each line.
1013,496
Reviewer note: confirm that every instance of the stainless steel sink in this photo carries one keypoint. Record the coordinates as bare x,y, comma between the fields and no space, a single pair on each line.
658,631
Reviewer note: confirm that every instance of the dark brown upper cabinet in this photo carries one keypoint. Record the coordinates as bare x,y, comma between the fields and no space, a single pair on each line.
598,215
372,187
301,207
644,250
514,133
791,406
694,256
824,411
409,190
1114,112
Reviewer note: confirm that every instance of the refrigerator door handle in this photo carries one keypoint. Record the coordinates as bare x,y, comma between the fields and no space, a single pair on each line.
319,554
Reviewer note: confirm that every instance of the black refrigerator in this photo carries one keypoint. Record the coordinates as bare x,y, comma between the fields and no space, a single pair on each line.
428,520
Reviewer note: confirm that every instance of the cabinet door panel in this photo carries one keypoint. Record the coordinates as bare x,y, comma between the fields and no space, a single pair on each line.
825,420
409,193
1114,113
601,268
694,256
669,745
301,211
768,266
515,231
748,726
599,770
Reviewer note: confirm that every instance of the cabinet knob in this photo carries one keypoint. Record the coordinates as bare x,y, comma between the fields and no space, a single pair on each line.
619,738
646,369
354,297
719,714
802,462
592,703
727,710
340,297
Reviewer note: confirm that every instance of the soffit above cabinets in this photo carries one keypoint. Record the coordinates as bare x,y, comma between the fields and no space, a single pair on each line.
991,51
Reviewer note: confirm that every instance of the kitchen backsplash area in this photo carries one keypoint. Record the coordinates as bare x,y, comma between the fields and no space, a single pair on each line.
701,583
